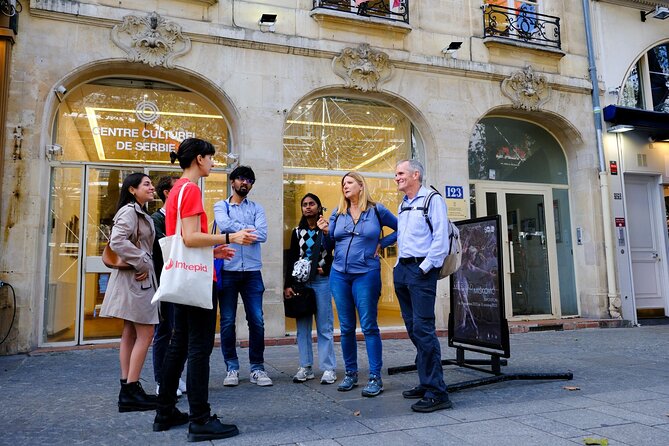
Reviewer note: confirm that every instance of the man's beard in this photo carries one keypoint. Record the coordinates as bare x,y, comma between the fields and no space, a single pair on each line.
242,192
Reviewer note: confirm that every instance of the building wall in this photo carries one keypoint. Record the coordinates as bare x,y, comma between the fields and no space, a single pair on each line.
258,78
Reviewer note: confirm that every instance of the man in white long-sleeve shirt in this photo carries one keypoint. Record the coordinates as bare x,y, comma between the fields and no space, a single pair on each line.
422,250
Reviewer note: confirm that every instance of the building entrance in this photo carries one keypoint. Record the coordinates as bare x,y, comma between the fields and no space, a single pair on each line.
105,130
528,245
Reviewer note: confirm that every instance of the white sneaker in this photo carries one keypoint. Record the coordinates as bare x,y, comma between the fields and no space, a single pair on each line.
182,386
260,377
303,374
179,393
232,378
329,377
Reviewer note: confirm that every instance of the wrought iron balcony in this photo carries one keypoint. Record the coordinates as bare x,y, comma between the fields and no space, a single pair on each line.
393,10
524,25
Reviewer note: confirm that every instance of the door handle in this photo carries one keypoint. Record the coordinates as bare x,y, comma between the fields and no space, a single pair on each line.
512,263
656,256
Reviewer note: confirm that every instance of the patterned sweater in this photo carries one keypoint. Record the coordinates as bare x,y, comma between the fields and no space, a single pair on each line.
301,242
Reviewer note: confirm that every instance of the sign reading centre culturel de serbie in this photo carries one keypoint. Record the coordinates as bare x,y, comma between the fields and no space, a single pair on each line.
127,138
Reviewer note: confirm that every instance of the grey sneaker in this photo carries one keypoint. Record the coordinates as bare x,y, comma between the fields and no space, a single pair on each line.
260,378
329,377
303,374
231,379
349,382
374,386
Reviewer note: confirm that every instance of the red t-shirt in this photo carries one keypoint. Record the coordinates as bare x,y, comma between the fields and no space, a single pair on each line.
191,204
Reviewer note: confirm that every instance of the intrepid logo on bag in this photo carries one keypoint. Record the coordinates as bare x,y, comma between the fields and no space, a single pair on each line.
183,265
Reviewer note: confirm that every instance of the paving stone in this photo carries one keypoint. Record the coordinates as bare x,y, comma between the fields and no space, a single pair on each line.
631,415
437,437
623,396
397,438
584,418
552,427
635,434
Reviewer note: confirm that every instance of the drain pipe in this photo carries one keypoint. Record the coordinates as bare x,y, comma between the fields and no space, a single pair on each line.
614,301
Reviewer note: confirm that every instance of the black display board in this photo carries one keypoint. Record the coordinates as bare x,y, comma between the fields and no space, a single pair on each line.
477,320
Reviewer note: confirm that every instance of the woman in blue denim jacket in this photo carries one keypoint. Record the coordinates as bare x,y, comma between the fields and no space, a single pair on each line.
355,279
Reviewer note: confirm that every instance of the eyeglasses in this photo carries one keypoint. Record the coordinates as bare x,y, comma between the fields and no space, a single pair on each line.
245,180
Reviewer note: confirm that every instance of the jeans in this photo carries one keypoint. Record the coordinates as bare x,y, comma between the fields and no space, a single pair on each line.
358,291
250,286
416,293
161,337
324,328
193,339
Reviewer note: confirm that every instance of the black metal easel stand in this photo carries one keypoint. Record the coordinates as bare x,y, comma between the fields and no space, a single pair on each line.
495,363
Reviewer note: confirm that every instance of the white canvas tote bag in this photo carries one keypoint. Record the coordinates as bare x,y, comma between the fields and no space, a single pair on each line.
187,276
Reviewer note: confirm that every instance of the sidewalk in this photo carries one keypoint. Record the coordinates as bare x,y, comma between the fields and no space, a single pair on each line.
623,376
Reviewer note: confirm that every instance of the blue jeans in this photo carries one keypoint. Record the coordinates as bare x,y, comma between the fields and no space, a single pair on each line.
193,339
161,337
358,291
250,286
416,293
324,328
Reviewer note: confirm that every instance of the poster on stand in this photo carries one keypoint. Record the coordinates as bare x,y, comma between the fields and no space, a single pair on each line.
477,320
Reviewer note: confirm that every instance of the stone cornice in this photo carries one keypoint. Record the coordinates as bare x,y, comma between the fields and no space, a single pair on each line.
303,46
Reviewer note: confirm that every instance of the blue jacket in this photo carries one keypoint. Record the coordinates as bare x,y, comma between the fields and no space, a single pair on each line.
355,244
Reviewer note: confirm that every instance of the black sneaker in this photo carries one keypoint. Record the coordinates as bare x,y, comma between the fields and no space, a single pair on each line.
431,404
165,422
211,430
414,394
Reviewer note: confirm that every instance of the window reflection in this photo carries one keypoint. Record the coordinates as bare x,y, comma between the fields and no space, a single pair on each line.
505,149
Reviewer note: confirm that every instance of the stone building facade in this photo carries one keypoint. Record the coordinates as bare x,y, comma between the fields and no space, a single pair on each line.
103,88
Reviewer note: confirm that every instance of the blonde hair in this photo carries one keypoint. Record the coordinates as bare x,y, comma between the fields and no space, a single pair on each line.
364,200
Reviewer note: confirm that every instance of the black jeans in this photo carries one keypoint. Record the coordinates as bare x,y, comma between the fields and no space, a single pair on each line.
416,293
193,339
161,337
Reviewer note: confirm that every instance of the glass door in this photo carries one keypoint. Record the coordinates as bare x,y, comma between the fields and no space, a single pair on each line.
530,263
103,185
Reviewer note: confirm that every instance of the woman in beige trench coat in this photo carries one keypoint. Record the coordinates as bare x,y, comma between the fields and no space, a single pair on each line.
129,291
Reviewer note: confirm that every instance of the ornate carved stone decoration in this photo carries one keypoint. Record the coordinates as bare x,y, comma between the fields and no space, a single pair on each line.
363,68
151,40
527,89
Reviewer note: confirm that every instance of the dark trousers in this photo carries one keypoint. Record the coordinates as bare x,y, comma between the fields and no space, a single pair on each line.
161,337
416,293
193,339
249,285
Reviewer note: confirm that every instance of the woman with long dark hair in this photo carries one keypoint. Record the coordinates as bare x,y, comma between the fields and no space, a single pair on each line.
194,327
129,291
304,241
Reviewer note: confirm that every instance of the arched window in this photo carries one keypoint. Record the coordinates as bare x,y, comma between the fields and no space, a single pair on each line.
326,137
651,91
506,149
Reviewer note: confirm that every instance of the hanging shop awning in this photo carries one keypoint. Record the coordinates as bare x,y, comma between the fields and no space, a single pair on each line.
647,123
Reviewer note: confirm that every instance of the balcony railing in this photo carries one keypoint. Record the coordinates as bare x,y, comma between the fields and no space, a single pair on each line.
523,25
394,10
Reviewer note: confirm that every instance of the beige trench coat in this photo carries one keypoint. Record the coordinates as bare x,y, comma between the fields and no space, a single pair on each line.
126,298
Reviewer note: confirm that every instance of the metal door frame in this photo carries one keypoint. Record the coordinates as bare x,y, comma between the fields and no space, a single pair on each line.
500,190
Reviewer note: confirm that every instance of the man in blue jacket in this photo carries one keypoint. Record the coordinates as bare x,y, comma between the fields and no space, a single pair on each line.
241,276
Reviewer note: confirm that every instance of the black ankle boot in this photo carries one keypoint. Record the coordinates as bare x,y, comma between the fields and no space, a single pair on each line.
132,398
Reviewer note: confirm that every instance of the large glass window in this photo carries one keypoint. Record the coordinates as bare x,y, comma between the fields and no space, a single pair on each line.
135,121
649,92
326,137
113,127
505,149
